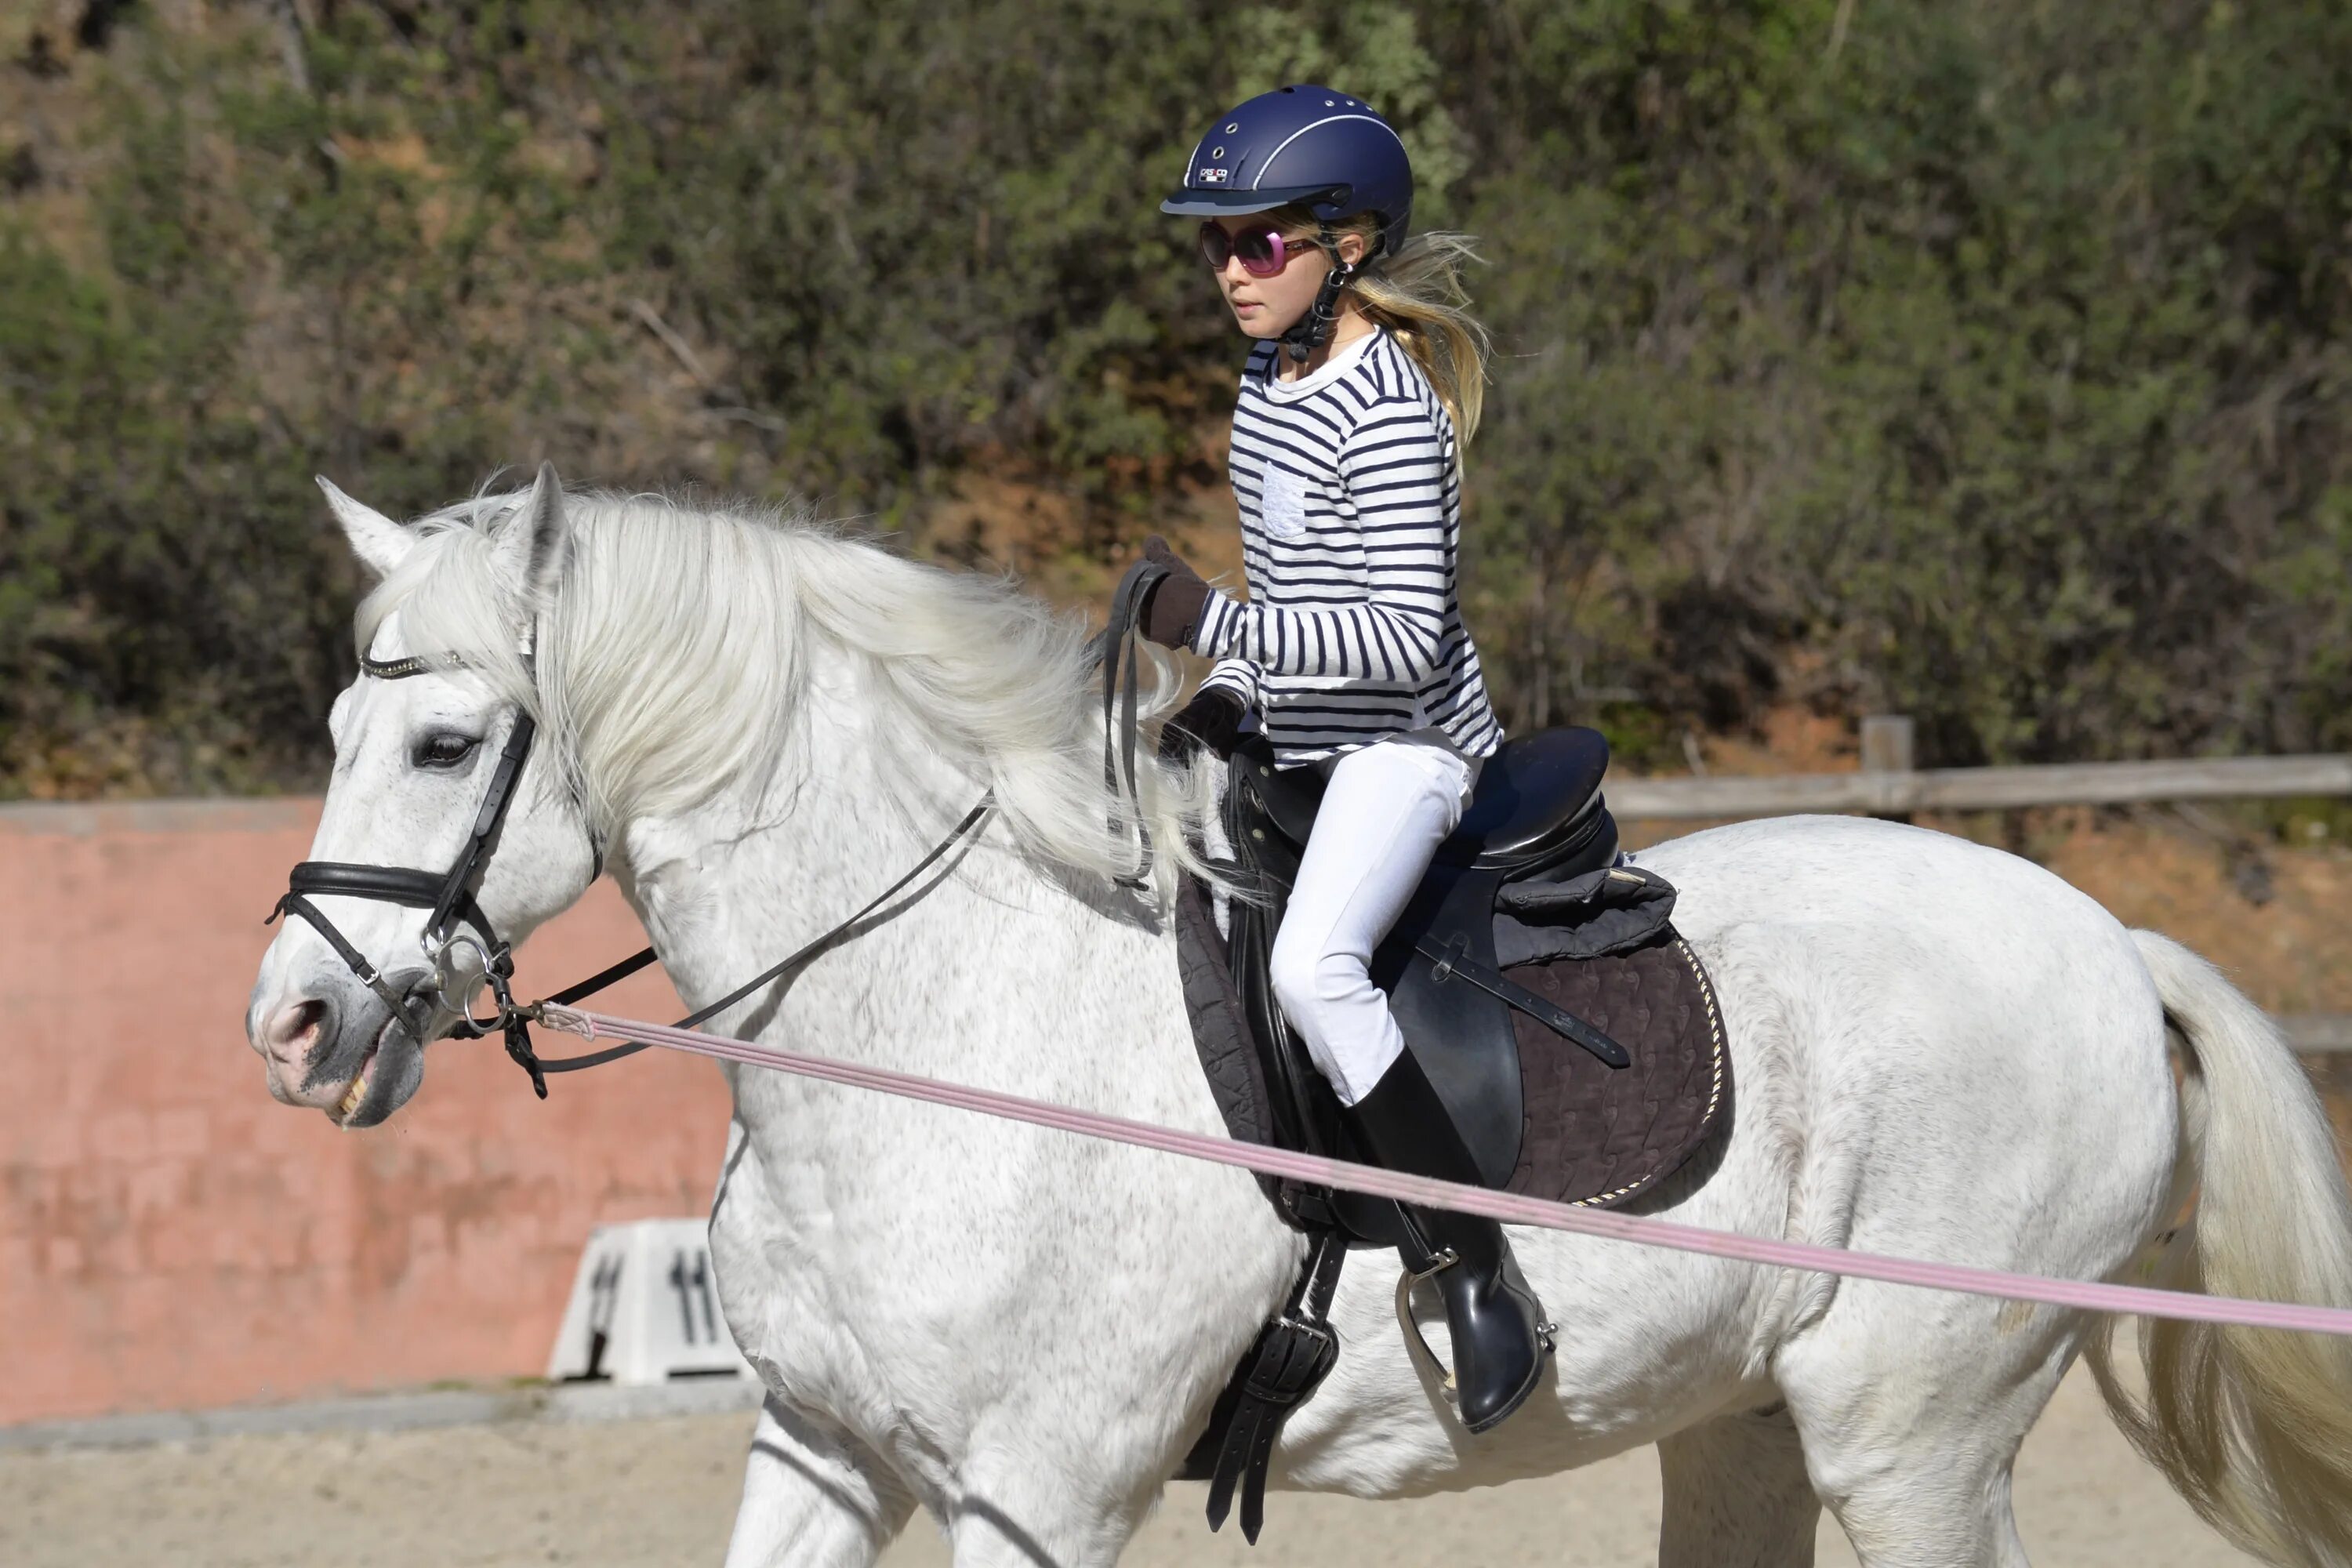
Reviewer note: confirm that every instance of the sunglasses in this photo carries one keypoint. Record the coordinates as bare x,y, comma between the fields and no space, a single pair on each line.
1263,251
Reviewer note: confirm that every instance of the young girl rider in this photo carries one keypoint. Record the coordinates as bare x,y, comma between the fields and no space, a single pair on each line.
1364,382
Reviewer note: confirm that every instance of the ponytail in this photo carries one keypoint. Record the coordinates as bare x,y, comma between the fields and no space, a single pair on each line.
1418,295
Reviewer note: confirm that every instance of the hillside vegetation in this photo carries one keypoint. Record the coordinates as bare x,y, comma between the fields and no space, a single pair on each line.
1988,362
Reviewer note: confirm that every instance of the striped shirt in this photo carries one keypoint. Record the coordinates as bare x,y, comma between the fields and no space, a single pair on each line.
1351,522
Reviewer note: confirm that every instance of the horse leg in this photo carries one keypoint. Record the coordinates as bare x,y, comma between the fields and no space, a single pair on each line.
1043,1505
1958,1519
1912,1450
985,1537
992,1531
812,1498
1736,1495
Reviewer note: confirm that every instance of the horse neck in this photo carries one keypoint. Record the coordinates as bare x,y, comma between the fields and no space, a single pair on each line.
768,863
732,887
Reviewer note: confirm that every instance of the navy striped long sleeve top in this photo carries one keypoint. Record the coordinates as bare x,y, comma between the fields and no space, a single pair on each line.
1351,522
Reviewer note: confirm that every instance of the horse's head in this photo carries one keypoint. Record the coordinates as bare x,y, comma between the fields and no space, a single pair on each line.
446,696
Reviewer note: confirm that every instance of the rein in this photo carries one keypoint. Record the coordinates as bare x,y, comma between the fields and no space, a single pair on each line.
533,1012
1118,774
1120,691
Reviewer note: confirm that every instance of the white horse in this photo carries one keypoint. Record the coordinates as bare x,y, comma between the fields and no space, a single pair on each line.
1941,1051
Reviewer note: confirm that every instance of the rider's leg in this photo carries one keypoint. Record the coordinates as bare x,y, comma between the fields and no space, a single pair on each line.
1387,808
812,1498
1500,1340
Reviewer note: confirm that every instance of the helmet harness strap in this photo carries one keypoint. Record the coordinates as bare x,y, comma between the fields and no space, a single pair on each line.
1313,328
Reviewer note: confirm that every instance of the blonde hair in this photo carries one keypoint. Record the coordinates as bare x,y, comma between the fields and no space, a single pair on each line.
1419,296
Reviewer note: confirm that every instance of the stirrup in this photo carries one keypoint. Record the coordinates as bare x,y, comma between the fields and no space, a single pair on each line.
1416,1343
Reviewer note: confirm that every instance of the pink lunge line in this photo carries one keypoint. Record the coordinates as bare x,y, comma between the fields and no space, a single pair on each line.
1505,1207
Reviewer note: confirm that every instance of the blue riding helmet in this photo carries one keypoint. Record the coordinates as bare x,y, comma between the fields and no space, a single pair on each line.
1303,144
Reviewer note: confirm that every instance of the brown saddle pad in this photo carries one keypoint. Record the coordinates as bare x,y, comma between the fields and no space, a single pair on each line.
1591,1136
1596,1137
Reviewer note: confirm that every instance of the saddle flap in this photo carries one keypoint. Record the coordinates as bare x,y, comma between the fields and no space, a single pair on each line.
1460,1035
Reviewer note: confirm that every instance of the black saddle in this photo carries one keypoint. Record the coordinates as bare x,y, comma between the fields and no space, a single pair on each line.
1538,808
1537,801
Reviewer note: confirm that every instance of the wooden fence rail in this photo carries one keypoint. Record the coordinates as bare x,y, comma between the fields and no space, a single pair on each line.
1888,785
1890,793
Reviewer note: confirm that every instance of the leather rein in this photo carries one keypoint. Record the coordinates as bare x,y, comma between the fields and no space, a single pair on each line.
1120,700
449,896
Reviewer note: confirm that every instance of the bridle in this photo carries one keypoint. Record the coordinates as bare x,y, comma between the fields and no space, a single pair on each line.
449,897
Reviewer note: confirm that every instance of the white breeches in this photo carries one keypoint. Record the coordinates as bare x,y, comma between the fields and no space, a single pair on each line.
1386,811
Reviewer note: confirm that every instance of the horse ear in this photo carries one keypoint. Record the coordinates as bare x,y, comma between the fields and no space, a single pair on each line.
379,542
528,555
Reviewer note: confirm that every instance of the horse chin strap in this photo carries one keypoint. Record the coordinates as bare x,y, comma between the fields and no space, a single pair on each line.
1313,330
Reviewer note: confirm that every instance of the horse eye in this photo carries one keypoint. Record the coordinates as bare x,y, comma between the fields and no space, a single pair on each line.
443,749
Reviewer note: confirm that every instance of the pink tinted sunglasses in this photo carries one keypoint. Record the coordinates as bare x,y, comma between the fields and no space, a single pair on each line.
1263,251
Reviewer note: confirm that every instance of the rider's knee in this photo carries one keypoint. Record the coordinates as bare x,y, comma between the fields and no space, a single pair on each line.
1291,969
1310,981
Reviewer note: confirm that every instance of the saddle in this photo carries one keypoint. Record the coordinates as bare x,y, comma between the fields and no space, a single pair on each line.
1537,805
1568,1028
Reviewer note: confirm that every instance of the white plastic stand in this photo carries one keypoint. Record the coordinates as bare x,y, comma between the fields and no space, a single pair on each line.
645,1309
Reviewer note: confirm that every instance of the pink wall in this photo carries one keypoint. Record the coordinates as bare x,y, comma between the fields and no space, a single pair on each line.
172,1237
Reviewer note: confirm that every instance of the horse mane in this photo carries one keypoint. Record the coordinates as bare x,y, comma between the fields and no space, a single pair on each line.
674,660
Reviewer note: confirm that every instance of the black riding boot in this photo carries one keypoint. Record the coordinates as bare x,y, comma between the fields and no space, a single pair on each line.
1500,1338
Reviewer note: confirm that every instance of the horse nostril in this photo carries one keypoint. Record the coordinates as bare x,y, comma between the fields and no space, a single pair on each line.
298,1029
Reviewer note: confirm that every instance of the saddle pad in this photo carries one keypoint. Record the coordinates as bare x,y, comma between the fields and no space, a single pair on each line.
1597,1137
1228,1056
1229,1052
1592,1137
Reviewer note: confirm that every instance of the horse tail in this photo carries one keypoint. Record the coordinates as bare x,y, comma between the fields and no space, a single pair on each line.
2254,1426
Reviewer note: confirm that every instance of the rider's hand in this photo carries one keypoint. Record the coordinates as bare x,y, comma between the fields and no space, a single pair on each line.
1213,719
1172,614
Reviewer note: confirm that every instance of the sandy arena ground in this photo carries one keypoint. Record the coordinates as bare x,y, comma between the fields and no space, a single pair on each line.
652,1492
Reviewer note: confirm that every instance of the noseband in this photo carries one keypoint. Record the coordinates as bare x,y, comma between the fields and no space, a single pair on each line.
448,896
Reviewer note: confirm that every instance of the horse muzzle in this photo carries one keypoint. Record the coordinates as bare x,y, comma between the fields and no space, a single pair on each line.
337,1048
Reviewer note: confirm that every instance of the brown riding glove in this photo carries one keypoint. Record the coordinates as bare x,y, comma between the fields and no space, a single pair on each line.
1213,719
1172,614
